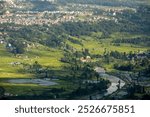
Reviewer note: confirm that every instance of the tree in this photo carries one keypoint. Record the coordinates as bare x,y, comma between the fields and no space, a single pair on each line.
2,92
97,76
36,67
17,46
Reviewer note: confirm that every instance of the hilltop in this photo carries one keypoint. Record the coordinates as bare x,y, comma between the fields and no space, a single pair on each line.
52,5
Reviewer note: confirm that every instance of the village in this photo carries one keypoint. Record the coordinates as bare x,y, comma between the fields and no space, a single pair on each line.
50,18
73,51
68,13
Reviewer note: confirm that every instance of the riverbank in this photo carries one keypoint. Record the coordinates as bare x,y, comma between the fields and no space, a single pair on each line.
112,88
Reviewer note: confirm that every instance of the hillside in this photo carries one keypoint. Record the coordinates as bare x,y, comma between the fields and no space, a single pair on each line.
52,5
25,5
50,49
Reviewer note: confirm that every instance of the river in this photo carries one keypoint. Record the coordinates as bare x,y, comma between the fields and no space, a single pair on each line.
112,88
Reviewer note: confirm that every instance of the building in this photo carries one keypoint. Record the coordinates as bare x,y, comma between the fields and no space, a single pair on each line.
85,59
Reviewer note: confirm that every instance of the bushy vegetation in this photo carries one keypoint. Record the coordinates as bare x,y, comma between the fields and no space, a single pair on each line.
137,41
57,52
102,2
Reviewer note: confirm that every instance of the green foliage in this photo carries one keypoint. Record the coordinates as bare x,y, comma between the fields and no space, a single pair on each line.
101,86
17,46
36,67
124,67
2,91
137,41
58,50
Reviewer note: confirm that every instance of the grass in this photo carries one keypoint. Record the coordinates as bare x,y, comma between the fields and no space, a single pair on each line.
45,56
124,35
21,89
49,57
97,45
35,89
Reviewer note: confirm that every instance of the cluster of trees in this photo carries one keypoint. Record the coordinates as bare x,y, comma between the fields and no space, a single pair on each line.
16,46
137,22
118,55
124,67
43,5
55,36
80,73
85,28
89,73
138,41
1,7
141,66
79,70
101,2
132,61
70,56
2,91
89,88
109,56
37,69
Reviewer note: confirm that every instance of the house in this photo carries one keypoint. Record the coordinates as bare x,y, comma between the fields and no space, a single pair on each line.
2,41
85,59
82,59
88,59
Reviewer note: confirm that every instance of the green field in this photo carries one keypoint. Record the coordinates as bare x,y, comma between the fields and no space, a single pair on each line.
50,57
44,55
97,46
